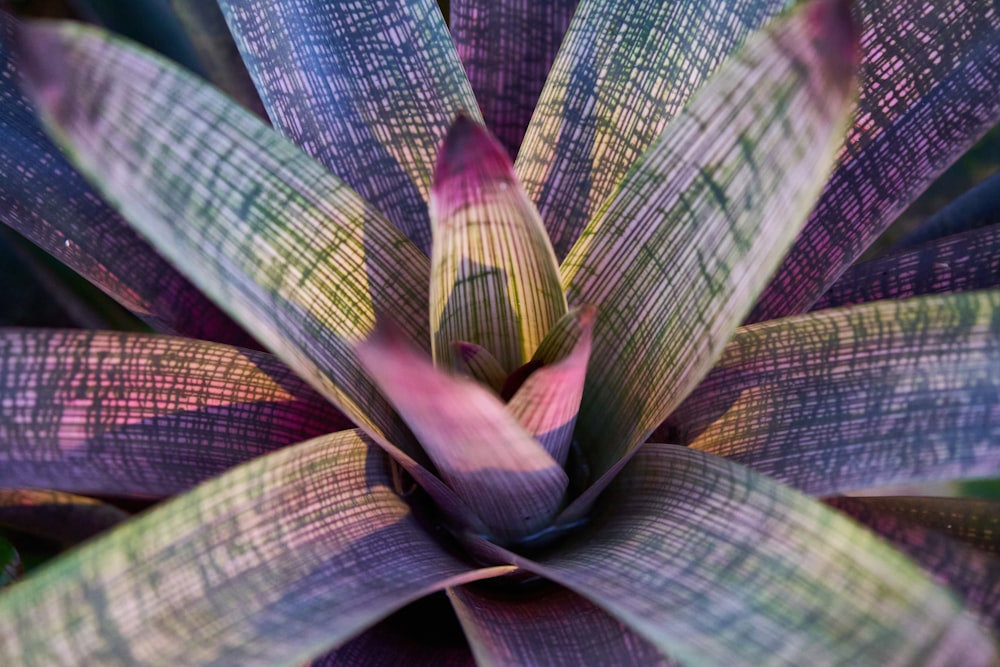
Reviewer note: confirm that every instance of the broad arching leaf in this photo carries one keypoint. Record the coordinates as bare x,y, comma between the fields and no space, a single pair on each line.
367,87
855,398
273,563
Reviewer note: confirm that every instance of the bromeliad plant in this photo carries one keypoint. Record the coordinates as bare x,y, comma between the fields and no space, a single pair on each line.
577,299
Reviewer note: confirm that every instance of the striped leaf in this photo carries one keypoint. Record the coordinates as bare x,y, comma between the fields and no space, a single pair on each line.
63,518
546,626
717,565
974,521
507,49
960,263
367,87
141,415
43,198
548,402
290,250
974,575
494,278
855,398
978,207
930,88
206,28
626,68
676,258
273,563
480,450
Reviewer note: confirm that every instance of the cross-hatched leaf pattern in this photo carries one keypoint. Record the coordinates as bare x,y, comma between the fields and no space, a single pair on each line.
882,393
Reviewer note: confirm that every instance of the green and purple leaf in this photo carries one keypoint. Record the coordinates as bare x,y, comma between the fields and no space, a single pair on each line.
367,87
548,401
715,564
142,415
930,87
477,362
547,625
855,398
504,475
625,70
959,263
289,250
494,278
675,259
46,200
507,49
273,563
63,518
974,575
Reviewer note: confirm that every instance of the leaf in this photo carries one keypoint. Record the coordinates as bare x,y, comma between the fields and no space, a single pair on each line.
142,415
494,279
717,565
930,88
971,520
291,251
854,398
625,70
960,263
548,402
480,450
43,198
273,563
675,259
973,574
507,49
205,26
63,518
367,88
976,208
547,626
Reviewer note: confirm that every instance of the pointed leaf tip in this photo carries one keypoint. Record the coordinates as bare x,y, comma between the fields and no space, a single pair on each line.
469,149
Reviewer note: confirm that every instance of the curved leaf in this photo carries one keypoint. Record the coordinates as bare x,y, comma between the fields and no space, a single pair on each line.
717,565
930,88
548,626
494,279
625,70
271,564
367,87
46,200
978,207
675,259
507,49
142,415
481,451
959,263
291,251
854,398
973,574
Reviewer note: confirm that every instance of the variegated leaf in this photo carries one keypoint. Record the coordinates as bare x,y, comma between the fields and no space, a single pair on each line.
494,278
930,87
480,450
507,49
878,394
273,563
368,87
717,565
141,415
625,70
675,259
